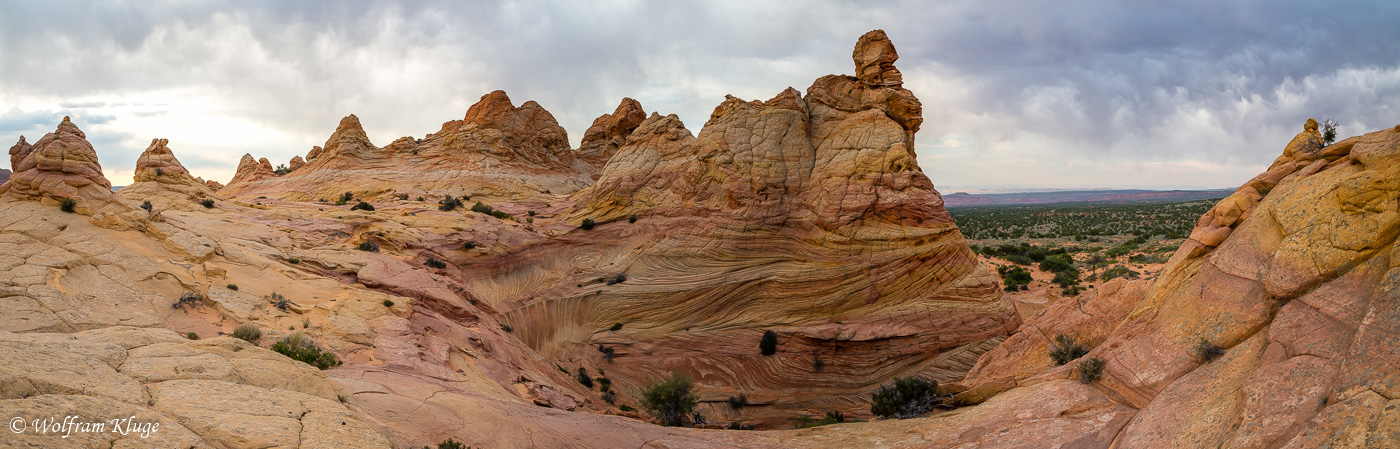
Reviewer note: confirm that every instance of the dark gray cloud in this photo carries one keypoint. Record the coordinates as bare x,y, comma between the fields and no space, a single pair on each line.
1095,92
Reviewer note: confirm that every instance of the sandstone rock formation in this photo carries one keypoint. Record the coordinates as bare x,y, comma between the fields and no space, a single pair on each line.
213,185
296,163
157,171
814,208
61,165
1292,277
496,151
609,132
250,170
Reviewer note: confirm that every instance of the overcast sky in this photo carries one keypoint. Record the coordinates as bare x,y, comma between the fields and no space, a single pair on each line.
1199,94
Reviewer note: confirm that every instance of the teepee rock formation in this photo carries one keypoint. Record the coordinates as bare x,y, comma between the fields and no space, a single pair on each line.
61,165
157,169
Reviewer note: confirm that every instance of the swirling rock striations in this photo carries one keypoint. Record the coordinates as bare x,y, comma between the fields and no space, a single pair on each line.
808,216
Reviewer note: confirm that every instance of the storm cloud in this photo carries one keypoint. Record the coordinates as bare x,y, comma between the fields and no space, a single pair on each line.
1090,93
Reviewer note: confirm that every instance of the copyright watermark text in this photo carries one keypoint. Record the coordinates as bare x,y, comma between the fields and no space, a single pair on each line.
72,424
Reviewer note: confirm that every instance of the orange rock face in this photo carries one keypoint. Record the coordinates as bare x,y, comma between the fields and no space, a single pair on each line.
1291,278
61,165
609,132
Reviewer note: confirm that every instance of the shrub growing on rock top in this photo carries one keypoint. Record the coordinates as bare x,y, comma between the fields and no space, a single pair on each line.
147,205
207,203
616,327
67,205
482,208
587,224
369,245
363,206
905,397
1329,132
670,400
435,263
301,348
1066,349
451,444
768,345
583,377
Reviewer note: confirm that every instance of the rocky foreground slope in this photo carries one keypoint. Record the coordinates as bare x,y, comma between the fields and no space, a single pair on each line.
805,214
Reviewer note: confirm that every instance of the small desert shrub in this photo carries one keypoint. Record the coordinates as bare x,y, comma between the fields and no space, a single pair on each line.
300,347
188,299
735,425
233,287
905,397
832,417
449,203
347,196
468,246
147,205
626,408
67,205
604,383
482,208
451,444
1207,351
369,245
768,345
508,329
587,224
669,401
340,202
616,327
632,219
583,377
248,332
207,203
1119,271
620,278
530,213
610,397
192,336
388,303
403,197
421,199
608,352
435,263
1066,349
363,206
738,402
279,301
1090,370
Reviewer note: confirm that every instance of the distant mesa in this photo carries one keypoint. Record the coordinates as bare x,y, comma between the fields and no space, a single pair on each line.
61,165
4,175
